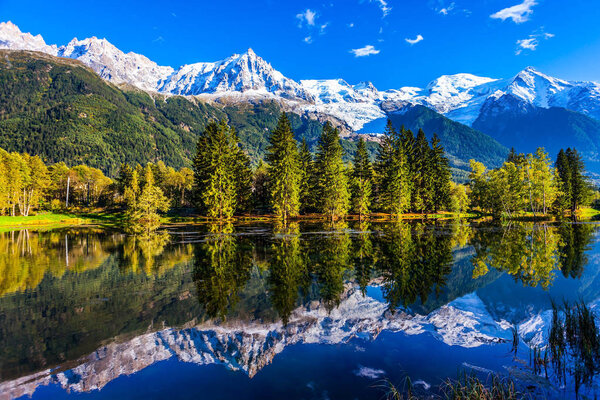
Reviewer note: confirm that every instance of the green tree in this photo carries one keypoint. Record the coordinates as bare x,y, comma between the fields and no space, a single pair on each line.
392,173
214,171
150,200
441,175
362,175
332,181
308,178
284,170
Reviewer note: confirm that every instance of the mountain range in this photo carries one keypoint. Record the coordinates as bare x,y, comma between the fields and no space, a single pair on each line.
517,111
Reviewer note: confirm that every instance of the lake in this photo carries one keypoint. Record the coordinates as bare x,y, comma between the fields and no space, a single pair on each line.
307,311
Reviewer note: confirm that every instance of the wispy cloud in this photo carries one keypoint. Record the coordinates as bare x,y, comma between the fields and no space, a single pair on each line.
323,27
446,10
368,50
351,25
531,43
308,17
159,39
415,40
308,40
518,13
383,6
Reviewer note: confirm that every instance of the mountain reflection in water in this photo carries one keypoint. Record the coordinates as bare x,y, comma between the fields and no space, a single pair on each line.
81,306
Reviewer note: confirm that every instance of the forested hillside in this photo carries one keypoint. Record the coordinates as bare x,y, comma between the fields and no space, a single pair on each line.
61,110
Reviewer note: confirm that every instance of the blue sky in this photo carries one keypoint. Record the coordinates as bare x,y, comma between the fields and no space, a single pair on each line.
392,43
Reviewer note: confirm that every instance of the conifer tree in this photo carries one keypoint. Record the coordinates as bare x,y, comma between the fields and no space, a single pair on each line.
284,170
563,173
242,174
392,173
362,175
332,181
307,180
422,179
214,171
442,176
580,188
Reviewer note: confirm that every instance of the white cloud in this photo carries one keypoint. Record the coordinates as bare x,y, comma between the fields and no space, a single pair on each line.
383,6
527,44
308,40
307,16
518,13
415,40
532,42
365,51
351,25
446,10
323,27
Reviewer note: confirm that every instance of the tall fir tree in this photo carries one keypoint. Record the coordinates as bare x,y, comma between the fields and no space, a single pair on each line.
442,176
307,180
242,175
393,190
332,180
422,178
284,170
214,171
580,188
362,175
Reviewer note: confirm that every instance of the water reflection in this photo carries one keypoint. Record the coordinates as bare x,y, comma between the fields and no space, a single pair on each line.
63,293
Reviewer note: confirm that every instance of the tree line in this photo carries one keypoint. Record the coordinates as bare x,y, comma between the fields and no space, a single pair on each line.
530,183
27,183
409,174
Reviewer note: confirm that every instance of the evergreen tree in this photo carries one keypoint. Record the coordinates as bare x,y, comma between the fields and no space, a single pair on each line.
242,175
441,174
563,173
260,189
580,189
215,171
393,189
332,181
362,175
284,170
422,179
308,179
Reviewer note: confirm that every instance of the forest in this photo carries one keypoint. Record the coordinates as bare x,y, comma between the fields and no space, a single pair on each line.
409,174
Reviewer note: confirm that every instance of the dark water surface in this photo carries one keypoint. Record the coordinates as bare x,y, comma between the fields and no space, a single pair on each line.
311,311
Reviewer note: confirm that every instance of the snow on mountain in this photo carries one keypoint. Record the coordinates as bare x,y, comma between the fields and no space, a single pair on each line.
460,97
114,65
246,73
11,37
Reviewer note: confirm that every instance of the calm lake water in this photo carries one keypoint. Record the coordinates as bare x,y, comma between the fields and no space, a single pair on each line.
312,311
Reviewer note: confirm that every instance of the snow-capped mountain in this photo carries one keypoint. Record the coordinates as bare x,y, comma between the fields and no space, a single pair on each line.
460,97
245,73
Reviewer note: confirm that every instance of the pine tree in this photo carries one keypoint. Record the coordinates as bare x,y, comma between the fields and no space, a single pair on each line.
215,171
393,189
442,176
362,175
242,174
580,188
284,170
422,194
332,181
307,180
563,173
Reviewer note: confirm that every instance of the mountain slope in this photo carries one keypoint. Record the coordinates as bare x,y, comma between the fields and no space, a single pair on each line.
61,110
514,122
461,142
